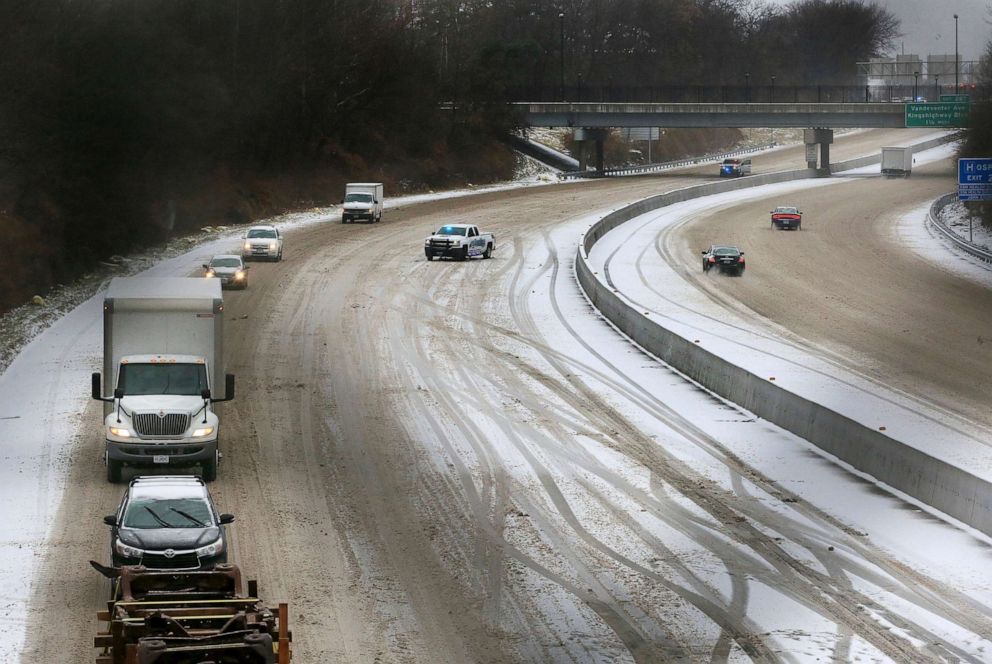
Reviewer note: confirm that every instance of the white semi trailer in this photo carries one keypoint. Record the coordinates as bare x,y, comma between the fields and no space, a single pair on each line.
163,360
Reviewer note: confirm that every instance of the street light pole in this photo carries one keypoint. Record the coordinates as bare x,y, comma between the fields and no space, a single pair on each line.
916,85
773,89
747,85
936,85
956,54
561,70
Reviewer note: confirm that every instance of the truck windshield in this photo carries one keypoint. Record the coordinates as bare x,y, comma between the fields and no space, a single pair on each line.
358,198
178,379
261,232
451,230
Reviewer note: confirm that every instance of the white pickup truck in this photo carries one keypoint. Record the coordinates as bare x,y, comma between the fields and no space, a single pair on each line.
459,241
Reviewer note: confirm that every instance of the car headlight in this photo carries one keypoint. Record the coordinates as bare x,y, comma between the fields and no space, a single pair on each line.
272,246
210,273
123,549
202,431
247,246
120,433
211,549
239,275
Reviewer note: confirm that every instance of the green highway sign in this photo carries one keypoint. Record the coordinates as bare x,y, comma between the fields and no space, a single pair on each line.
964,98
937,114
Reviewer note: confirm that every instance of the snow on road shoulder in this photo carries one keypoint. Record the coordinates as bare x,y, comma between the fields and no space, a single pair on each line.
872,520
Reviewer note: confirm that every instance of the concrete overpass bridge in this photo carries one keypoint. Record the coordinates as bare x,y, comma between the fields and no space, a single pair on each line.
591,120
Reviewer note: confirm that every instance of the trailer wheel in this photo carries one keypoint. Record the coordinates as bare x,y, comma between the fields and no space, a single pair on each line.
114,469
210,470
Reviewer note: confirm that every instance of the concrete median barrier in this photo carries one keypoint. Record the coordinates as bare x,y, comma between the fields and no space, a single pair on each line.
958,492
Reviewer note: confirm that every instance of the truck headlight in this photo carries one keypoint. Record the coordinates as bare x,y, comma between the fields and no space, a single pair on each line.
210,273
247,246
211,549
202,431
239,275
123,549
120,433
272,246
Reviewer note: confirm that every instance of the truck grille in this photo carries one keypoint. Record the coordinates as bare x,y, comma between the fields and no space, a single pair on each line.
170,424
440,244
186,560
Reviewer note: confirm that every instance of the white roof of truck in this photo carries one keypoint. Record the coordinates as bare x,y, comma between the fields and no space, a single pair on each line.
364,184
166,288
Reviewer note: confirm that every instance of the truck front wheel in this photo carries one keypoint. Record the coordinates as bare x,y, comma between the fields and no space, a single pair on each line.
464,255
114,470
210,469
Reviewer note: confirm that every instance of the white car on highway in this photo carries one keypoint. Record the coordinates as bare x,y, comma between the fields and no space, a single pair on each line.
262,242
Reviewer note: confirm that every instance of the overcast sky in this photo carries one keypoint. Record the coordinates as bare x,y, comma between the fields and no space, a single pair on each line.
928,25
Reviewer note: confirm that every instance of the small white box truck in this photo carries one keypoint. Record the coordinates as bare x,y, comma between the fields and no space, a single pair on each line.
897,161
163,363
362,202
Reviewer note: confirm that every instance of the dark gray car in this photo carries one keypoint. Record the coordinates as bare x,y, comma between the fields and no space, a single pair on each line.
168,522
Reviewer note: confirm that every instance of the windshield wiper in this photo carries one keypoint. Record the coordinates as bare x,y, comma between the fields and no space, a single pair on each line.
155,516
188,516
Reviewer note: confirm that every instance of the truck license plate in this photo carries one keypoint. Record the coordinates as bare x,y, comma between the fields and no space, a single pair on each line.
160,458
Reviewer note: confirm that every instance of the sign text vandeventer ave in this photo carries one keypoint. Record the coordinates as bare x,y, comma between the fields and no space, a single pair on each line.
937,114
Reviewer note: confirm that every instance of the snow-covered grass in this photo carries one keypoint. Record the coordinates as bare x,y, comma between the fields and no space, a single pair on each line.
959,219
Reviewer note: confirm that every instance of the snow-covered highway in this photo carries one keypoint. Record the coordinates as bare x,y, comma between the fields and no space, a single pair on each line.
455,462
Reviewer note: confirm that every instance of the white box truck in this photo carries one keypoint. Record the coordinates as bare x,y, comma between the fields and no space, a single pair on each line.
897,161
163,363
362,202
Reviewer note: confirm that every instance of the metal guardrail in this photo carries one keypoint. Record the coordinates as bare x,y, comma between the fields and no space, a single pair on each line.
934,218
662,166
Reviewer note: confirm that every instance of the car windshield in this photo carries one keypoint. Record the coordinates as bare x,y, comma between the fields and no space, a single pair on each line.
160,378
262,233
726,251
787,210
155,512
451,230
225,262
358,198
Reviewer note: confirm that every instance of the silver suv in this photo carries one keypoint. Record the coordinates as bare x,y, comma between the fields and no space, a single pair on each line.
262,242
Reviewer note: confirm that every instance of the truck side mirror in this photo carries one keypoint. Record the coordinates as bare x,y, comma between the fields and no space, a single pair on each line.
110,520
119,393
205,394
228,387
206,267
226,519
703,252
97,391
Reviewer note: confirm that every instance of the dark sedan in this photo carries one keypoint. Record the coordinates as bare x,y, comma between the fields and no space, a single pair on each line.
726,258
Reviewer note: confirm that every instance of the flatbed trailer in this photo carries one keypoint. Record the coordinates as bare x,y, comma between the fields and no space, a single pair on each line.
180,617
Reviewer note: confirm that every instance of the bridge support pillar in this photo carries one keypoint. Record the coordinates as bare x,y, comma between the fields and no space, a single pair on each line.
823,138
595,135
